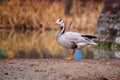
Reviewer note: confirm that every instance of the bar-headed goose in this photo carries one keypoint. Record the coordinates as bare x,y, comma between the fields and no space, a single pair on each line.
72,40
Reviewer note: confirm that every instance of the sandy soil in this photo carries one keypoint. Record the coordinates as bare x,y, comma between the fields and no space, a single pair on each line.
57,69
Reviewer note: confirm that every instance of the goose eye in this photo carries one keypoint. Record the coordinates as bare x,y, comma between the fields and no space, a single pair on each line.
60,20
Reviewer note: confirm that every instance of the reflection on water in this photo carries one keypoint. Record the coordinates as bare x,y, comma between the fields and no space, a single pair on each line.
34,44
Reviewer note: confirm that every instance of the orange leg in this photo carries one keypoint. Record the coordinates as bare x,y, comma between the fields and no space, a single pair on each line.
71,55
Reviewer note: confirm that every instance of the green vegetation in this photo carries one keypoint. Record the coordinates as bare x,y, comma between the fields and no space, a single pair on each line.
108,46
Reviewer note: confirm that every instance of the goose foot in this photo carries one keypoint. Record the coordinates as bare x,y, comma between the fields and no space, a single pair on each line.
71,55
69,58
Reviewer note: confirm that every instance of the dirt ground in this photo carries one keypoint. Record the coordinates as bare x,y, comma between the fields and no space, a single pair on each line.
59,69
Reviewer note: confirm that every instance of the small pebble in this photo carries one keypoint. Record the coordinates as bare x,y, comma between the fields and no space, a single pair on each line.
6,73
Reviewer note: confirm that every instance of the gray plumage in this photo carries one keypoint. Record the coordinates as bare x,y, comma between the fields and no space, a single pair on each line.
72,40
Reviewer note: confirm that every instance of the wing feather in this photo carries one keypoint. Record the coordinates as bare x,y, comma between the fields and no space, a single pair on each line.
75,37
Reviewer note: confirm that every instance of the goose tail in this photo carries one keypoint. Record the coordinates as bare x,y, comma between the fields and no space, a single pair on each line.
93,43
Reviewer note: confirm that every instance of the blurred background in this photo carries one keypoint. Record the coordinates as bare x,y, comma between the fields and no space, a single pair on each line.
27,28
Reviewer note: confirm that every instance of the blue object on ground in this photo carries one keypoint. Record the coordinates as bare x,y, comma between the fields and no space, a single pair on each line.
78,55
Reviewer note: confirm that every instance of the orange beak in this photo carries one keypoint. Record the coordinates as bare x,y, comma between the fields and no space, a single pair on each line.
55,23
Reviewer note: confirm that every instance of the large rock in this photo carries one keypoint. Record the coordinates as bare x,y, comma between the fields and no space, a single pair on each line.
108,26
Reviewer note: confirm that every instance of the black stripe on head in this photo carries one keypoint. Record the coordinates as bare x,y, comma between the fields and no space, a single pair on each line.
60,20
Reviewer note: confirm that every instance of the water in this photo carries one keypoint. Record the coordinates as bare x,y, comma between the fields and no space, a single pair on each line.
36,44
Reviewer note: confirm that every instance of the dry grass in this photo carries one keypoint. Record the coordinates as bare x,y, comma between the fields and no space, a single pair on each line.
34,13
39,12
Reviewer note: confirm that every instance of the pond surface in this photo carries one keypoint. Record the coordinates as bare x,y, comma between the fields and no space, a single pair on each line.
37,44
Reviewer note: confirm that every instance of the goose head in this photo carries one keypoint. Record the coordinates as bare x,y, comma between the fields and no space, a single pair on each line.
60,22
